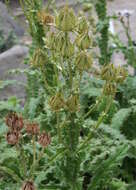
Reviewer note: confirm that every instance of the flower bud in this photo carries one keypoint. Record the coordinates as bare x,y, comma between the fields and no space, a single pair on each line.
66,19
83,61
57,102
73,103
12,137
121,75
87,7
110,89
64,45
28,185
83,25
14,122
84,41
44,139
108,73
32,128
45,18
39,58
51,41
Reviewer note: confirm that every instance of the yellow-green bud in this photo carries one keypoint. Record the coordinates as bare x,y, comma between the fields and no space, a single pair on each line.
51,41
39,58
66,19
87,7
108,73
83,61
82,25
64,45
84,41
121,75
73,103
57,102
110,89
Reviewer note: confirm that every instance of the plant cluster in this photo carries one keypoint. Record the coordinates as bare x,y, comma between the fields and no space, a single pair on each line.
84,115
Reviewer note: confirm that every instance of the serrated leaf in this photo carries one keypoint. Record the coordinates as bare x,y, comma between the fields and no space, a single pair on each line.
119,118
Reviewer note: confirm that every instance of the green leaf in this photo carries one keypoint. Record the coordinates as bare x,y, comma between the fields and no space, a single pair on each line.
120,117
105,168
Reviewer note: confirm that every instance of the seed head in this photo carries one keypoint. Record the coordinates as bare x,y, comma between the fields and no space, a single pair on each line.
12,137
45,18
14,122
44,139
32,128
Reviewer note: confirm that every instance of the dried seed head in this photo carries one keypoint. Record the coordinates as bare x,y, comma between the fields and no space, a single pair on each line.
57,102
45,18
32,128
28,185
66,19
44,139
14,122
12,137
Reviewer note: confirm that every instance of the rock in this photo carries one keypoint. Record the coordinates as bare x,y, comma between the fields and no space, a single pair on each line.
7,23
13,59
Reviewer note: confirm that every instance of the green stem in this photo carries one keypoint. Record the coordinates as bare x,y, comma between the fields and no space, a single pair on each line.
34,154
58,128
100,120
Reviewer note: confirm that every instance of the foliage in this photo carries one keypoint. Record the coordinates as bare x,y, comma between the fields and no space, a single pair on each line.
74,130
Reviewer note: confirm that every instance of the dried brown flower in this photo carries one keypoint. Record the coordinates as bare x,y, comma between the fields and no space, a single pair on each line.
14,121
12,137
28,185
45,18
44,139
32,128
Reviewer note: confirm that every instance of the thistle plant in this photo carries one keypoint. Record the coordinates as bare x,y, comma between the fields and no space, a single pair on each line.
63,43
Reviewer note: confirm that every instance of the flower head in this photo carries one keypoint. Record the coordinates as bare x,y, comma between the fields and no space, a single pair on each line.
32,128
44,139
14,121
12,137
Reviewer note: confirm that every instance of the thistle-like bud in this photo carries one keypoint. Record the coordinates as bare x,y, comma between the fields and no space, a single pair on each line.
14,122
83,61
57,102
66,19
39,58
32,128
83,25
73,103
12,137
108,73
84,41
110,89
121,75
64,45
87,7
28,185
44,139
45,18
51,41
